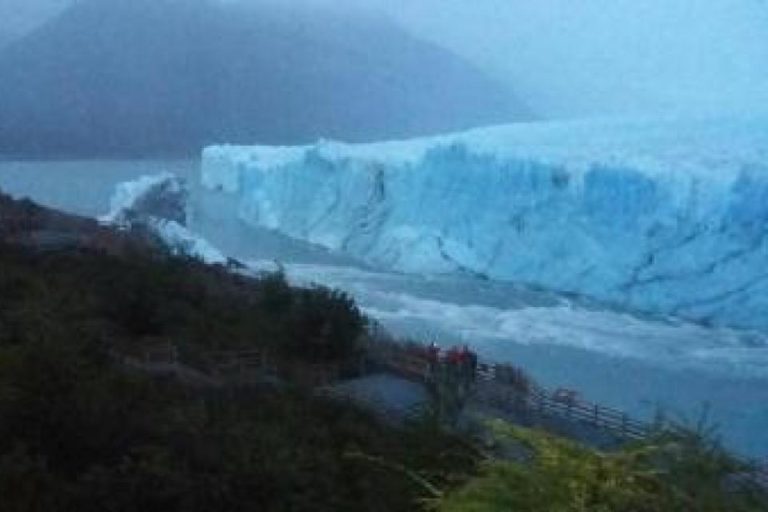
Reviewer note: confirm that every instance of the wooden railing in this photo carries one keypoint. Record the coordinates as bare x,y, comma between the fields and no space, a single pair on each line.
260,363
161,353
507,387
232,366
593,414
409,365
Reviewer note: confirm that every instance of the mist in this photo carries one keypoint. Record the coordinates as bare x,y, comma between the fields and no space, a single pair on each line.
575,58
599,57
18,17
167,77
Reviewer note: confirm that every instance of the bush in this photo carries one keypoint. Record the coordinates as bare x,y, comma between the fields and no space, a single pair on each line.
562,476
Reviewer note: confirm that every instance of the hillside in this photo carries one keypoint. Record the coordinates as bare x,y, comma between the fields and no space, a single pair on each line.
81,430
19,17
109,77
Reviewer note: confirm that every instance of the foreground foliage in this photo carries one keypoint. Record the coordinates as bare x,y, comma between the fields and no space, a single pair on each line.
151,296
674,472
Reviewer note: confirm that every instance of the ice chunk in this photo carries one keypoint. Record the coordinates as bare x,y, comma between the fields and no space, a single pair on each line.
162,196
183,242
160,203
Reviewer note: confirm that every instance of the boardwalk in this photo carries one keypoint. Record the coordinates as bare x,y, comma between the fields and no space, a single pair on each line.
395,398
505,387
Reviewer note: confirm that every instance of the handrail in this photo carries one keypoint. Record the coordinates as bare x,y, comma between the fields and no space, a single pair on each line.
240,363
515,389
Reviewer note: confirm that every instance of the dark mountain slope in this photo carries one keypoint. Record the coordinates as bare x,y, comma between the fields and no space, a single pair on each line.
110,77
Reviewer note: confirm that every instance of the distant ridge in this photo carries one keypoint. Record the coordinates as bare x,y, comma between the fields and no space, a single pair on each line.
153,77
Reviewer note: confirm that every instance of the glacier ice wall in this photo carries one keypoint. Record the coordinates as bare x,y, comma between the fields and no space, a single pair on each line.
663,216
160,203
161,195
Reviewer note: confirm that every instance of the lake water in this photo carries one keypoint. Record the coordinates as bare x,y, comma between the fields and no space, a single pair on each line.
635,363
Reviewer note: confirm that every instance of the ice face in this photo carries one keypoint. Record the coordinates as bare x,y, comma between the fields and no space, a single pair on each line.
184,242
160,203
163,196
663,216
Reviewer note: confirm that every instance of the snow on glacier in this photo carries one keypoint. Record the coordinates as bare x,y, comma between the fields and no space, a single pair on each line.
666,216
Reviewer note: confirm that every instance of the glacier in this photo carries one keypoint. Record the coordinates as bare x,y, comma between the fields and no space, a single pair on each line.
160,203
162,195
666,216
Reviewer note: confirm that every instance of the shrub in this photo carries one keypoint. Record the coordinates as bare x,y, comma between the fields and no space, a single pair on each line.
562,476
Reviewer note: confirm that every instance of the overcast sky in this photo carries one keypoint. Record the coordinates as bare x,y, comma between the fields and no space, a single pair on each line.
587,57
598,57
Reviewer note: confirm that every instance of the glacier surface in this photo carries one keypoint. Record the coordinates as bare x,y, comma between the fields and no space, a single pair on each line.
666,216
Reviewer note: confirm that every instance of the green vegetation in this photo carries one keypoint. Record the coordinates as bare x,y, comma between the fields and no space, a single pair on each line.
145,295
673,472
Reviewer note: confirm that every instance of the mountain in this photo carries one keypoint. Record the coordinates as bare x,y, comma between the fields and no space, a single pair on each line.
662,216
19,17
109,77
